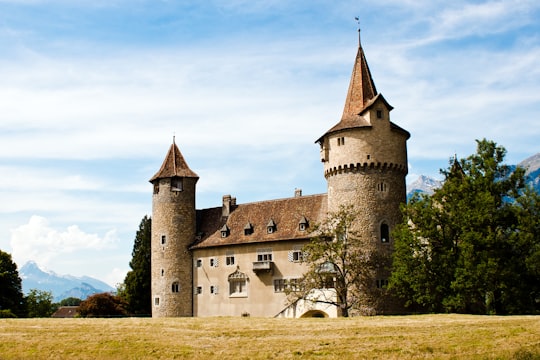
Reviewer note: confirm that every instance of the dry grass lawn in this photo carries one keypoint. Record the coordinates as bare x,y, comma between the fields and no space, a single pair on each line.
399,337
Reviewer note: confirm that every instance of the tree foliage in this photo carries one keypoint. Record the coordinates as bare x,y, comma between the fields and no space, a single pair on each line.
473,246
341,266
136,289
103,305
11,295
39,303
70,301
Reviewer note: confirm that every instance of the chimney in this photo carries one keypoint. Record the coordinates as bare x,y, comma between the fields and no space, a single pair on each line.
297,192
226,209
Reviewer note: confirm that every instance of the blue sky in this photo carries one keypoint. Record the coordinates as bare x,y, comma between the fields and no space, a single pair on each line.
92,92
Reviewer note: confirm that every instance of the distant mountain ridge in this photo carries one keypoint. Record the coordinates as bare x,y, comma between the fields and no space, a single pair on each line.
427,185
61,286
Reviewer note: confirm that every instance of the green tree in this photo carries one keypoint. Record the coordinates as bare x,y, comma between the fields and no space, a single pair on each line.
462,249
103,305
11,296
70,301
136,289
39,303
342,267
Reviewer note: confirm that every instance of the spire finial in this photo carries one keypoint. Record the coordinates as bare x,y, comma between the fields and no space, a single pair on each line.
358,22
174,137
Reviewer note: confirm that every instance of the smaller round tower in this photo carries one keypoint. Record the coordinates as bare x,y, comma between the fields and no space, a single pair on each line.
173,231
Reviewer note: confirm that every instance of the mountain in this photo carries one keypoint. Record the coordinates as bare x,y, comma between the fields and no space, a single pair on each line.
532,164
61,286
424,184
427,185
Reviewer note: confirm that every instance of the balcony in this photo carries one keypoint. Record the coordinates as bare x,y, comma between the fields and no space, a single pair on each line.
263,267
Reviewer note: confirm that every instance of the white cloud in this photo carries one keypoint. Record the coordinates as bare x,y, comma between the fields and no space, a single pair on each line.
40,242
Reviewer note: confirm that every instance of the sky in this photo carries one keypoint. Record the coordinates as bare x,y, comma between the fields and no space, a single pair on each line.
93,91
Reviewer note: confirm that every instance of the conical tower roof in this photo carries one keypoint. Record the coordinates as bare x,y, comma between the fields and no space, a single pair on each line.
174,165
361,87
361,94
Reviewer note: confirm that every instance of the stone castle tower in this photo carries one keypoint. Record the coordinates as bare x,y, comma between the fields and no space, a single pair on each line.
173,230
365,158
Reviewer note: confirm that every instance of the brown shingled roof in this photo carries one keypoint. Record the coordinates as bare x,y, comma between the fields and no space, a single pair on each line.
174,165
285,213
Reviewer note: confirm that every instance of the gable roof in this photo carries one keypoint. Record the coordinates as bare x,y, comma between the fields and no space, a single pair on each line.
174,165
286,214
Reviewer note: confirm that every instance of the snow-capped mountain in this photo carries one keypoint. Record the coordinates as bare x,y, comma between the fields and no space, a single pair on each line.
424,184
61,286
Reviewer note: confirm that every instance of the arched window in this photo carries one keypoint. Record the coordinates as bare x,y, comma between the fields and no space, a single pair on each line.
385,233
175,287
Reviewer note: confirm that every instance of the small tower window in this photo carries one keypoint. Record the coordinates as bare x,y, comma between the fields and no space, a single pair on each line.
341,141
177,184
271,227
175,287
385,233
248,229
162,272
224,231
156,186
368,156
381,186
379,114
156,301
163,239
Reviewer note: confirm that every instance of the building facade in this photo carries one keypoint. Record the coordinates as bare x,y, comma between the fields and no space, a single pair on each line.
237,259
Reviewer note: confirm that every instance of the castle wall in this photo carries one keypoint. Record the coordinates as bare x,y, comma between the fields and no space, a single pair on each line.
263,295
173,230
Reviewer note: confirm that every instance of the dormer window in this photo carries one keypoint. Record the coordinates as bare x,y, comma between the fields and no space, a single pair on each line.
303,224
225,231
177,184
248,229
379,114
271,227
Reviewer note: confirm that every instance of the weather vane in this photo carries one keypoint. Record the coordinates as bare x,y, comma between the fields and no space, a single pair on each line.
357,18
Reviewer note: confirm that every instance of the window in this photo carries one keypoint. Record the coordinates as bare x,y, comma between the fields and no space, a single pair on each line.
214,262
248,229
385,233
294,284
238,284
264,254
163,239
382,284
156,301
198,263
368,156
279,285
175,287
298,256
303,224
224,231
229,259
381,186
156,187
198,290
176,184
214,289
271,227
341,141
162,272
379,114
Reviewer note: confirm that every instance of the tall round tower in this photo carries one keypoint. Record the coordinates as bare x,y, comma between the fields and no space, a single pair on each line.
173,230
365,158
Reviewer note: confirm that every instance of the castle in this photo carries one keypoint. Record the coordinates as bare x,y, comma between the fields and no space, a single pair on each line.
237,259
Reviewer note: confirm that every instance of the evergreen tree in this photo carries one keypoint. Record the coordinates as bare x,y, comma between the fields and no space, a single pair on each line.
137,284
11,295
464,249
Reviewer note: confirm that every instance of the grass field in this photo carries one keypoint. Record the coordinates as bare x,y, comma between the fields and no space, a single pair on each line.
399,337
